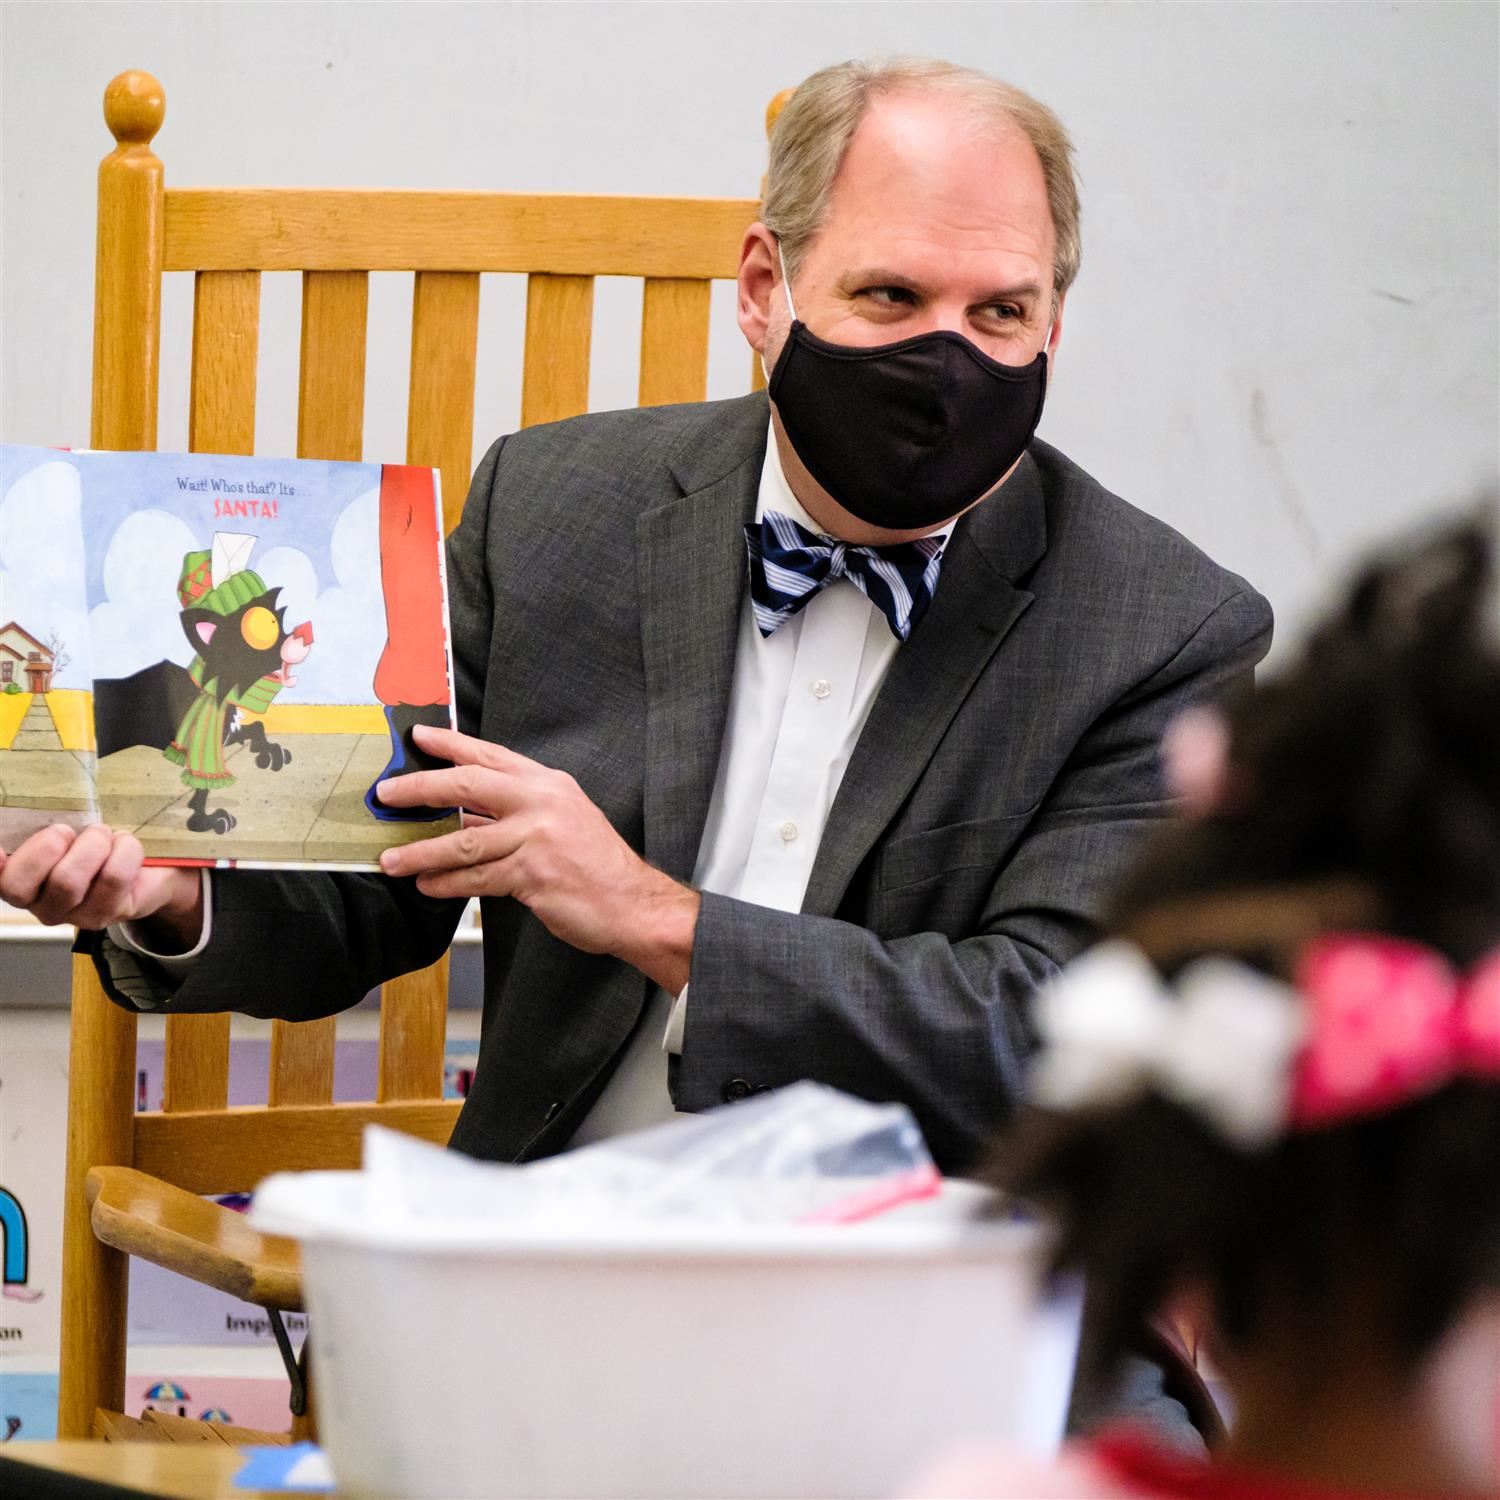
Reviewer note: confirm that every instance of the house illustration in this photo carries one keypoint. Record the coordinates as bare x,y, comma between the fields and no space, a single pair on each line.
24,660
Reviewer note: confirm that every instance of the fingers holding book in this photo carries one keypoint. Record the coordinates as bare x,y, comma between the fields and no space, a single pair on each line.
538,837
94,877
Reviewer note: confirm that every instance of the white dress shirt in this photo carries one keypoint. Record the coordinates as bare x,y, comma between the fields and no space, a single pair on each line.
797,704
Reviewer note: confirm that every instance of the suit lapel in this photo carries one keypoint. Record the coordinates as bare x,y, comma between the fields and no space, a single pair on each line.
976,604
691,574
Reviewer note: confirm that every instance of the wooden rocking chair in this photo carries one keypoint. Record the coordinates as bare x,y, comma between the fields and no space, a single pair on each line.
134,1180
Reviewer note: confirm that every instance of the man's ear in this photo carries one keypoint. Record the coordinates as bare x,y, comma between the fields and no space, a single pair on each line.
756,282
1054,336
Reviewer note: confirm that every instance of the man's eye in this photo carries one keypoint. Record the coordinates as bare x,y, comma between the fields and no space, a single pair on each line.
891,296
1004,312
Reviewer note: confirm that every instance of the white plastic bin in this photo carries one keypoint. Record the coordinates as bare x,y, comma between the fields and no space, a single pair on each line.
667,1361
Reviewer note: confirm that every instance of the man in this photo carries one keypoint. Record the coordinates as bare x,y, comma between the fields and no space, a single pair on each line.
752,804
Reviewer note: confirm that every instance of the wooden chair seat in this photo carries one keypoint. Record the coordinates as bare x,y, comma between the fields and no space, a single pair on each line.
204,1241
163,1427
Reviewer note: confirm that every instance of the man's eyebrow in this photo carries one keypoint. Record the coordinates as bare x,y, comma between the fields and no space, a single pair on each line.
1020,292
878,276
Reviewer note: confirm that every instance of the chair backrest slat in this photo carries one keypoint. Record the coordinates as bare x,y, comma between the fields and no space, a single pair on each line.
196,1071
331,392
440,405
413,1019
559,330
226,337
301,1062
674,340
374,229
330,424
221,419
231,1150
439,433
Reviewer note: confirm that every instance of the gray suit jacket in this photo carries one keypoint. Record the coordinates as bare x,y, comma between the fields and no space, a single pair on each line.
1004,776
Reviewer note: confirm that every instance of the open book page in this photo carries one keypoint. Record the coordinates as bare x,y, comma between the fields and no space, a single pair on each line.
264,635
46,729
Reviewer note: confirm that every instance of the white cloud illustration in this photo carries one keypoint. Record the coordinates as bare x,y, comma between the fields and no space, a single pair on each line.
41,564
348,617
137,624
41,587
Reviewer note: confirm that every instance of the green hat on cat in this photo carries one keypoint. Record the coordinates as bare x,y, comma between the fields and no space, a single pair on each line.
196,588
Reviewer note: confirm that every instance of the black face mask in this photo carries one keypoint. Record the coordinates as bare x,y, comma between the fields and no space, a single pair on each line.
905,435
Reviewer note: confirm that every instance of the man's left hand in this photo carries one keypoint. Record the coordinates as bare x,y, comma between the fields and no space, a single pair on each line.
530,832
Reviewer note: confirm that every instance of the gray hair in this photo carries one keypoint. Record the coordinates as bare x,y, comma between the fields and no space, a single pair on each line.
814,129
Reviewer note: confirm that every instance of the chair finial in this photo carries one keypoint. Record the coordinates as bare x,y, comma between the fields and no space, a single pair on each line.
135,104
775,107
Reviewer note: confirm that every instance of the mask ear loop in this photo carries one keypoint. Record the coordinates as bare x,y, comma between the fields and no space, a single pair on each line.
786,281
786,289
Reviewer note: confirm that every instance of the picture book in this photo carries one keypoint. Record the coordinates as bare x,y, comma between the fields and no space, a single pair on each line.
222,655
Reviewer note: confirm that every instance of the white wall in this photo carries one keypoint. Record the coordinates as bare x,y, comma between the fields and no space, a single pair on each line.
1285,339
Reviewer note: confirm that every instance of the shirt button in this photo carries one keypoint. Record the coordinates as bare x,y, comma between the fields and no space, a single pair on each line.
822,688
788,831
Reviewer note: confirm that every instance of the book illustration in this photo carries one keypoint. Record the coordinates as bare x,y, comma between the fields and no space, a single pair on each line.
46,723
46,727
411,679
26,660
262,636
243,656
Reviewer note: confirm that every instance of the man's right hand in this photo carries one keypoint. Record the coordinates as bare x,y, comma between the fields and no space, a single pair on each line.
96,877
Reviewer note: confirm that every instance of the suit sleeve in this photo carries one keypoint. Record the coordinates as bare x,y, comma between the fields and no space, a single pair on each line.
299,945
939,1023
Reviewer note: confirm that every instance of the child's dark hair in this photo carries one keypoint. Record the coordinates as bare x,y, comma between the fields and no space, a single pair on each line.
1362,793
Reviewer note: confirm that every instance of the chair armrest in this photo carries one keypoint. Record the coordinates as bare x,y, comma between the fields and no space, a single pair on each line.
203,1241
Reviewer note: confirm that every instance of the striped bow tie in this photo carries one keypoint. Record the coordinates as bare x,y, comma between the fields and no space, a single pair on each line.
789,564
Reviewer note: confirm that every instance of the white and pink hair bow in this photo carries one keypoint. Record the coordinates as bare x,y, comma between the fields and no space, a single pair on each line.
1371,1023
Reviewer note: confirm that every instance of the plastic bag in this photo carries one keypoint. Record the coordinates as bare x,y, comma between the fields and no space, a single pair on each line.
803,1154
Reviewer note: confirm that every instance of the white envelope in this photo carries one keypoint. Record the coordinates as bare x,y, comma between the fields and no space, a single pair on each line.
231,554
